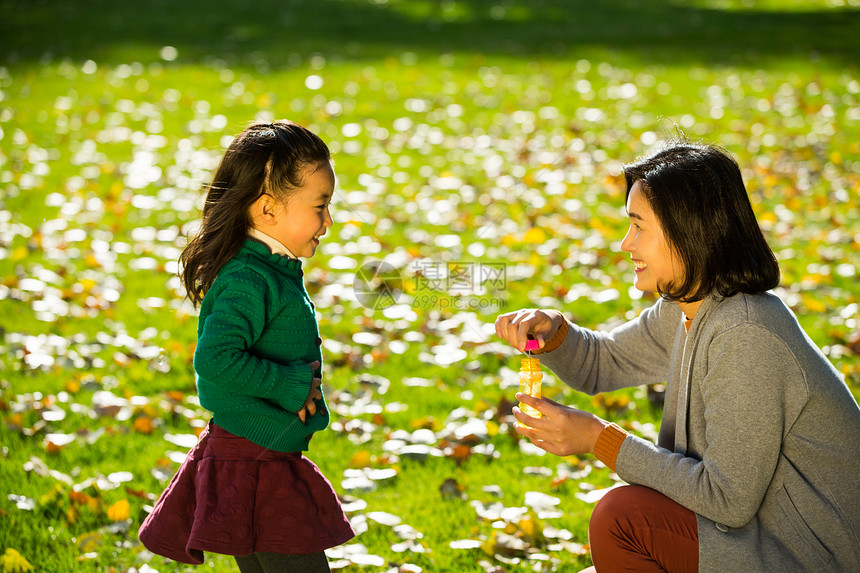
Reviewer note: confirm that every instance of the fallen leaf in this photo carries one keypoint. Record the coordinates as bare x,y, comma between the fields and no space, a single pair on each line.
14,562
83,499
119,511
461,453
143,425
90,541
361,459
450,488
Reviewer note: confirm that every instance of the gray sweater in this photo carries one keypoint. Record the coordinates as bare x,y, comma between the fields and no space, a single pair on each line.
760,436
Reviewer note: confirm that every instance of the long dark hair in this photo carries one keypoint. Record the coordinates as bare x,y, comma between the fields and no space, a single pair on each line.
264,158
698,195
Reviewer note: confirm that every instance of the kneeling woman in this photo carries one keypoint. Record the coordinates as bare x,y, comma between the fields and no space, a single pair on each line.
757,462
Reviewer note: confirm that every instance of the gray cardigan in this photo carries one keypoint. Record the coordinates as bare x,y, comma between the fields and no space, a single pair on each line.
760,435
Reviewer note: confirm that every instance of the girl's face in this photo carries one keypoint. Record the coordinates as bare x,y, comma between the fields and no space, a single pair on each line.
304,217
656,263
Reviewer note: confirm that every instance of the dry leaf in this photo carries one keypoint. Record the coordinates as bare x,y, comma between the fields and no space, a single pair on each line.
143,425
119,511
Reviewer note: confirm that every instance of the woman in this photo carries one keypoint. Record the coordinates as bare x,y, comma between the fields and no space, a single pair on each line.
757,462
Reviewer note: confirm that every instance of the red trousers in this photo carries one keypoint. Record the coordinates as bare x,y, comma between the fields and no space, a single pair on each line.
634,528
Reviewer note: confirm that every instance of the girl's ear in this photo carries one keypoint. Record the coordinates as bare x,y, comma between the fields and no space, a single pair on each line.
263,210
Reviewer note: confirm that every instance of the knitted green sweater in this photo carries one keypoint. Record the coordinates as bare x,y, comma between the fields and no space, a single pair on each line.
256,335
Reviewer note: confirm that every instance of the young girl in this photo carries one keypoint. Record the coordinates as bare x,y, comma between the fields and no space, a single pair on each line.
246,489
756,464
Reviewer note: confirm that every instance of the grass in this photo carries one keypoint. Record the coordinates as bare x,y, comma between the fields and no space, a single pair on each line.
472,132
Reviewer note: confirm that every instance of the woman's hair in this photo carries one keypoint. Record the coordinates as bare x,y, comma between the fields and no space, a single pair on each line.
699,198
264,158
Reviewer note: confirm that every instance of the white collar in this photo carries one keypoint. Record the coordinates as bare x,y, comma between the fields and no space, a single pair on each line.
277,247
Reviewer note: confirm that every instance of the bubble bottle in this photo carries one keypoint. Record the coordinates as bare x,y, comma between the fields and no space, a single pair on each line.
530,378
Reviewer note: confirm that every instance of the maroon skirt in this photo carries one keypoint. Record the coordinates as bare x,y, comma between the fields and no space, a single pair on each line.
234,497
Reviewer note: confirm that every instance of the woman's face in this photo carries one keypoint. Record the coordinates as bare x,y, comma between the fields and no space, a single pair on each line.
655,262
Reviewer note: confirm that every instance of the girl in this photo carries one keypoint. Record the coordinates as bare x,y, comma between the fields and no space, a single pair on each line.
756,464
246,489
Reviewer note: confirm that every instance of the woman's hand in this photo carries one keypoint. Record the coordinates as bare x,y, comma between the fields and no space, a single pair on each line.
310,407
562,430
514,327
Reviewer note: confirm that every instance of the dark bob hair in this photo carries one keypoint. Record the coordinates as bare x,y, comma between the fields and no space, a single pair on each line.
698,196
264,158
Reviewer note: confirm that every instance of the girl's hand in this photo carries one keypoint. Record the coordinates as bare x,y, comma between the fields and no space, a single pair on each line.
514,327
315,393
562,430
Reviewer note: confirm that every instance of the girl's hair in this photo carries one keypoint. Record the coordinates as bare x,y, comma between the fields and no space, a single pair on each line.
264,158
699,198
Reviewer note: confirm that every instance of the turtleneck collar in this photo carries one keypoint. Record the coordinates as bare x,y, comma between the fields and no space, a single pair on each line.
277,247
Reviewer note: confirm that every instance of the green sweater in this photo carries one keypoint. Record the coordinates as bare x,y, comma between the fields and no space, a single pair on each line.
256,335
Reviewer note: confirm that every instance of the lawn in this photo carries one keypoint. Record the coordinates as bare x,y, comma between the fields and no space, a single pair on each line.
478,147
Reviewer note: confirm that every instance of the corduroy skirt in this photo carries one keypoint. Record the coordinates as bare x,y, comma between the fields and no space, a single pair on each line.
234,497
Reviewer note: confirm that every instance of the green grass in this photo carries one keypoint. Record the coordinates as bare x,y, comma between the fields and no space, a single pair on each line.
469,131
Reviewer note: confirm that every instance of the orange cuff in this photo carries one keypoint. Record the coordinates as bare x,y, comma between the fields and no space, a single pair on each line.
609,444
556,339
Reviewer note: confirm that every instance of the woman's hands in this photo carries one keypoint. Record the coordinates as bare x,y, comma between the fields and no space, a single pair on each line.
562,430
310,407
514,327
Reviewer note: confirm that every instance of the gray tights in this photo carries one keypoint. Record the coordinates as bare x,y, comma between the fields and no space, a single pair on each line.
283,563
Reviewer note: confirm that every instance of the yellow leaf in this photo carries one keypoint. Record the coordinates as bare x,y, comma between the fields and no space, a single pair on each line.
814,305
361,459
89,542
52,496
531,530
534,236
15,421
482,406
19,254
428,422
119,511
489,546
14,562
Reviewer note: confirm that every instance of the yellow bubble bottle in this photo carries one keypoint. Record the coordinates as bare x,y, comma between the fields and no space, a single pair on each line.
530,378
